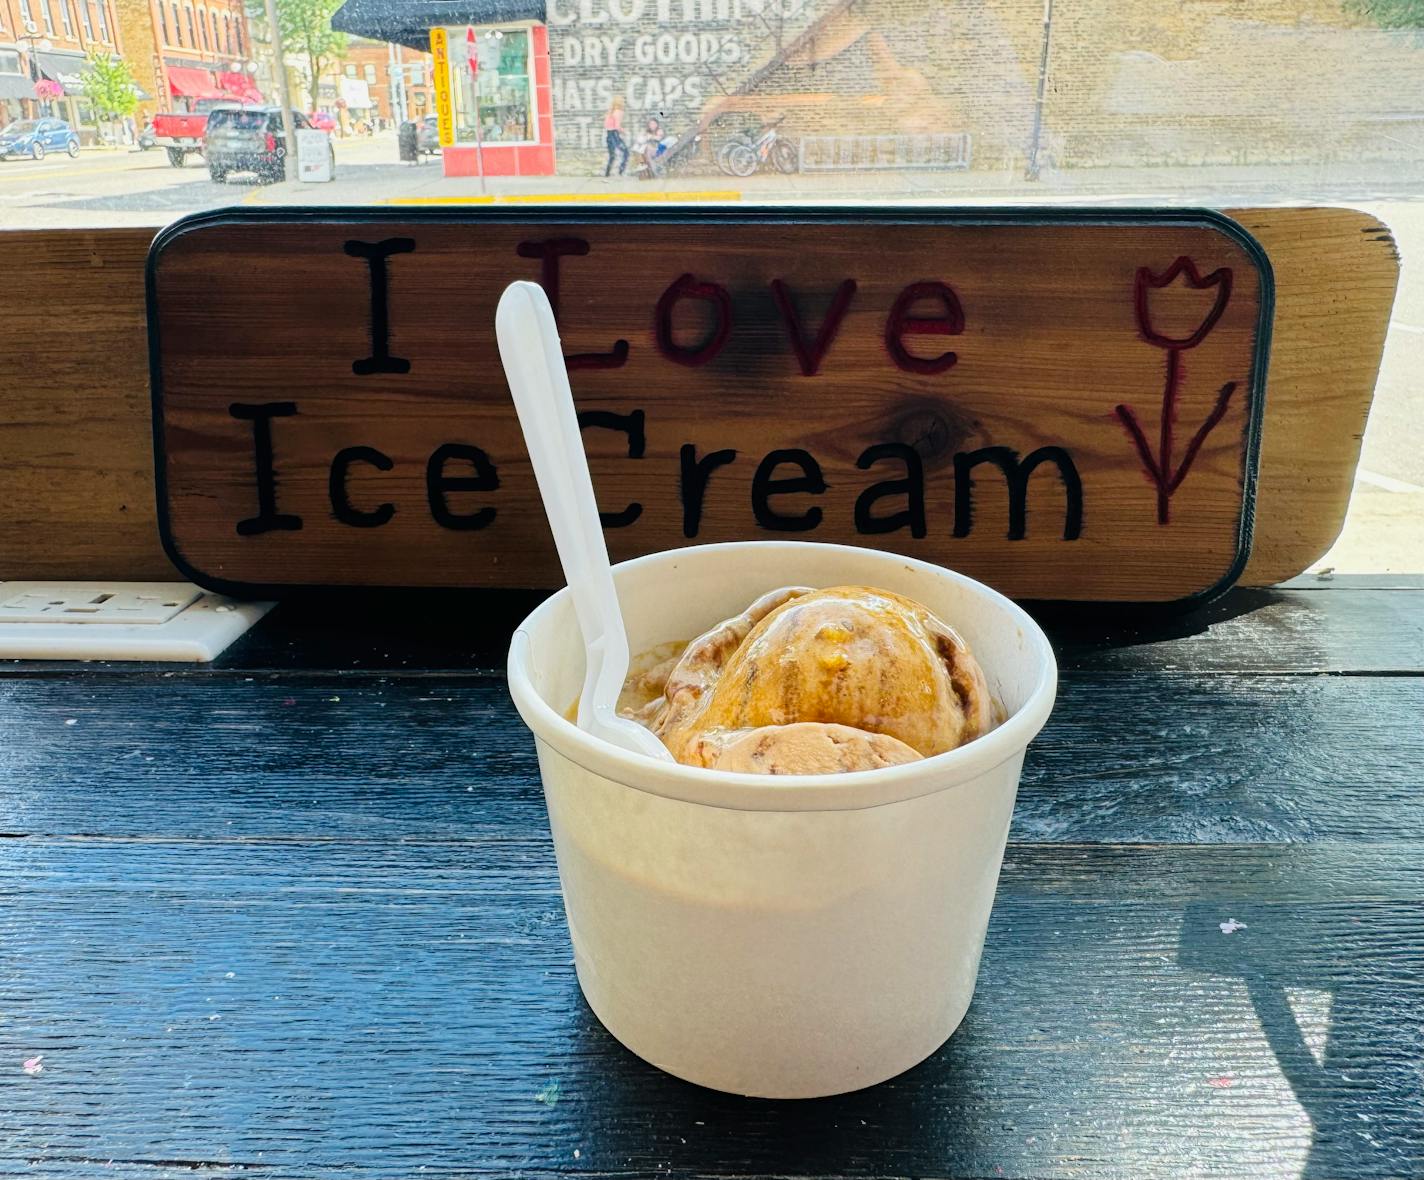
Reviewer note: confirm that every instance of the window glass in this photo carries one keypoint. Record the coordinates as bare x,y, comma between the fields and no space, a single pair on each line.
495,97
241,120
1227,104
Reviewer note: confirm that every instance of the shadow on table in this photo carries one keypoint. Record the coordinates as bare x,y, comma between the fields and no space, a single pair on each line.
929,1119
1364,1093
1078,627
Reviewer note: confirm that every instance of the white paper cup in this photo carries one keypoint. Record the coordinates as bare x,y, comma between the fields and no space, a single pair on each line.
778,936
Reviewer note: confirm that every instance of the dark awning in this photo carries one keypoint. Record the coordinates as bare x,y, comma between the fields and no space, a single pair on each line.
408,22
65,68
16,86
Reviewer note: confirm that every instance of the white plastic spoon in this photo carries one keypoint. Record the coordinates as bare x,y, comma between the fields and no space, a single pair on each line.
534,365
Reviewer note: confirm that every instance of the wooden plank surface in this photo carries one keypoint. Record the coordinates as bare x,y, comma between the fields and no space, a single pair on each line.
1336,275
1300,631
262,920
1198,759
78,471
309,1010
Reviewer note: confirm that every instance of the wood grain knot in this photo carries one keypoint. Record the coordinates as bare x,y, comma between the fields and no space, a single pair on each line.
935,429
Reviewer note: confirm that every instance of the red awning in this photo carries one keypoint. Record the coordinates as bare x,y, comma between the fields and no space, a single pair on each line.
240,87
189,83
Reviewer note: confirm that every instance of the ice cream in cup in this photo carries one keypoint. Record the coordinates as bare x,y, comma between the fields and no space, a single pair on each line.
743,924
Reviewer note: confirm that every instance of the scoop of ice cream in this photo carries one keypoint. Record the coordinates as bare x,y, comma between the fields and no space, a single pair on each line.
804,747
692,675
847,661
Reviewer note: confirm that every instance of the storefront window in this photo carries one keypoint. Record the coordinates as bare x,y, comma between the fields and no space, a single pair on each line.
502,87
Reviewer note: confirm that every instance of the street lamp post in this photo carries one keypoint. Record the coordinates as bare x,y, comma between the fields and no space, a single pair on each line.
395,84
33,41
284,91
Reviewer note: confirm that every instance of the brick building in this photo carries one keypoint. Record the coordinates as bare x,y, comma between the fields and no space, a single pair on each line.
870,84
52,39
189,50
373,61
178,51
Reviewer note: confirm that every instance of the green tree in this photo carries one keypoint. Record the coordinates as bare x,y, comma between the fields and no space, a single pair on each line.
109,86
1391,14
306,30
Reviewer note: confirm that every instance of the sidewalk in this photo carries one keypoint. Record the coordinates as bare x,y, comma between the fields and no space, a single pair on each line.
368,174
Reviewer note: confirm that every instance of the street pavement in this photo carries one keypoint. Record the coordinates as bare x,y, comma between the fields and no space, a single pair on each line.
1385,529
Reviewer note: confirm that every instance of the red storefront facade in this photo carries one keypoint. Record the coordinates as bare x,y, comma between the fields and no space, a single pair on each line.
513,95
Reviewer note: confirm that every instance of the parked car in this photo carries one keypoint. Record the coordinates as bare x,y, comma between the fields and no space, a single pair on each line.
251,139
428,138
180,133
35,137
323,121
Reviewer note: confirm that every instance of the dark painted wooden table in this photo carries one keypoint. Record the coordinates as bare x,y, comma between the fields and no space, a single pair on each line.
297,915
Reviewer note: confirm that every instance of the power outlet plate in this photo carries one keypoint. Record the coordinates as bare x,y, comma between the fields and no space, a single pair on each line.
152,604
164,621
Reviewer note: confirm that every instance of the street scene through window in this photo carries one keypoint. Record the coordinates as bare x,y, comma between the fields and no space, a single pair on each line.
106,108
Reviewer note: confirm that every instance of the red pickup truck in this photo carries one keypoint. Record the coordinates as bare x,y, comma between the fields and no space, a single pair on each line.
181,133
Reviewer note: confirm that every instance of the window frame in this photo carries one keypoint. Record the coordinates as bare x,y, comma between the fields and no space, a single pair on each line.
531,91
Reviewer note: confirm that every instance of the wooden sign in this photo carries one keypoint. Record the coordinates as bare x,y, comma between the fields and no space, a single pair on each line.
1066,405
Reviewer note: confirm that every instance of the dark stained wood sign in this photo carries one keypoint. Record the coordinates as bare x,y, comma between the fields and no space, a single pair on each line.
1066,405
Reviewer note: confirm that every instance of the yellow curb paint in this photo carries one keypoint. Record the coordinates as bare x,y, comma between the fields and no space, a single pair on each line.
572,198
631,198
438,201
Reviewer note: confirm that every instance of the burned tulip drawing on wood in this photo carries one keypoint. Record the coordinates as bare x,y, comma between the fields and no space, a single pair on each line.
1175,340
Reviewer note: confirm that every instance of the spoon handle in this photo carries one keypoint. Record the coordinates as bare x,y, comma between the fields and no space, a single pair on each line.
539,382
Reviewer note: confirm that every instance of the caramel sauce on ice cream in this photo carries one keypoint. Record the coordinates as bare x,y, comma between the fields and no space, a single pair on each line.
814,682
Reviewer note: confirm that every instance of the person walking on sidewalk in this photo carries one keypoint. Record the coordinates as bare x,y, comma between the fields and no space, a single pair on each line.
613,136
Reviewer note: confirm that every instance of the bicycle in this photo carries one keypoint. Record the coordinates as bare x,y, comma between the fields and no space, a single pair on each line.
742,155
